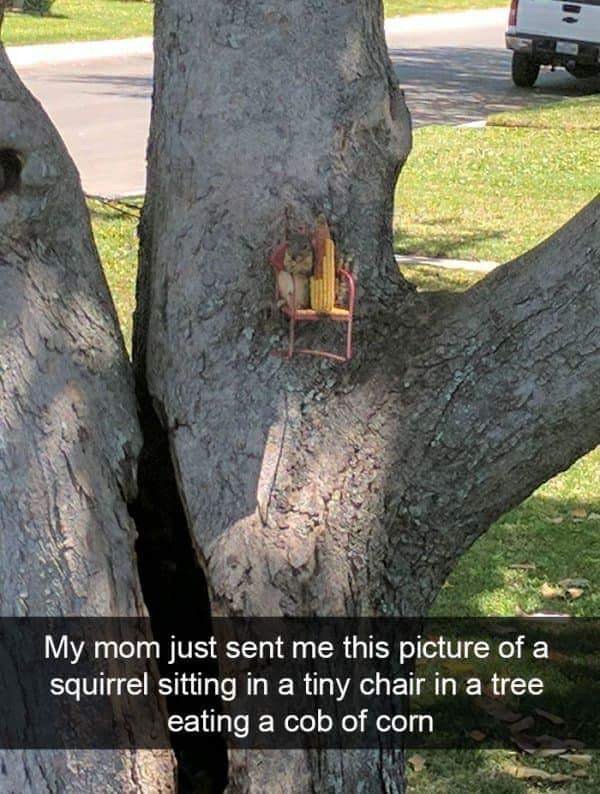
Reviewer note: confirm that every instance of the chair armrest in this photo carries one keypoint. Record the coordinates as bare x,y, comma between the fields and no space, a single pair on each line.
277,257
351,288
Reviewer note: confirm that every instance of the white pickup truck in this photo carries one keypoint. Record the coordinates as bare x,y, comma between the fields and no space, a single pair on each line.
553,33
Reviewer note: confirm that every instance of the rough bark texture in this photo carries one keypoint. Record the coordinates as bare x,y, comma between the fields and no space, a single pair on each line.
309,487
69,434
279,111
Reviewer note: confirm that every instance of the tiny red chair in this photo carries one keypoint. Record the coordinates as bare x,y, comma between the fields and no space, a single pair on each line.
322,301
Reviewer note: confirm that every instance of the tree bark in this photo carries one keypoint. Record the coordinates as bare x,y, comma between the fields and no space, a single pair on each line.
266,115
308,487
69,432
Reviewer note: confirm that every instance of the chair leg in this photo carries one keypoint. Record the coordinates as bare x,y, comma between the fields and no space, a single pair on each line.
292,341
349,340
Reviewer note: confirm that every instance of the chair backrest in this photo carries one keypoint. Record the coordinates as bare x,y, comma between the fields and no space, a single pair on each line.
277,257
322,290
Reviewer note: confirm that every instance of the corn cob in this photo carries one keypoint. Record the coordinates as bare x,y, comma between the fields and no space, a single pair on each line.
322,290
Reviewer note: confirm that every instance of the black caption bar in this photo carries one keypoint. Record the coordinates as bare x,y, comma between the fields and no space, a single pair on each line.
290,683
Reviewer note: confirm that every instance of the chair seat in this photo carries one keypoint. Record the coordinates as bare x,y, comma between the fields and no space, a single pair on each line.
337,313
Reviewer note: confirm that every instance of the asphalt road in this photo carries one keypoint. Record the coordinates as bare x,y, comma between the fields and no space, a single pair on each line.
452,74
102,110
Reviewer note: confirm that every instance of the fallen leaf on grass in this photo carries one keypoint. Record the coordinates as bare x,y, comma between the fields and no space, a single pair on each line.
531,773
579,512
553,718
575,592
579,773
477,736
579,760
556,520
579,583
417,762
523,566
547,591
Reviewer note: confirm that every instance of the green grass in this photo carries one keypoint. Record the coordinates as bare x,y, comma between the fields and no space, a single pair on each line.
80,20
493,193
115,231
570,114
397,8
487,772
88,20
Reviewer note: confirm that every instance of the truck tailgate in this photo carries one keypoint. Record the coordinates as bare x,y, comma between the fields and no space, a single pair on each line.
562,20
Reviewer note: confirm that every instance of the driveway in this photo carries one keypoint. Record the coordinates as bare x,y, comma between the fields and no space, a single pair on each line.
454,69
102,110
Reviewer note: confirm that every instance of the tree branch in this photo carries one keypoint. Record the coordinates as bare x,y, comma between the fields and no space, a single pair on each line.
520,359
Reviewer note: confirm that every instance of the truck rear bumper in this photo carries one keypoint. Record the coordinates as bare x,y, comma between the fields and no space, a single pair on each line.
547,50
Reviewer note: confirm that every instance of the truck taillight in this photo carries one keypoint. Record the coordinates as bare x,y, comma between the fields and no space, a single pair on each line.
512,17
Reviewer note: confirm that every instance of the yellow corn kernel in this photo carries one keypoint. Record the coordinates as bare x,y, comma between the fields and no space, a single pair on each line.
322,290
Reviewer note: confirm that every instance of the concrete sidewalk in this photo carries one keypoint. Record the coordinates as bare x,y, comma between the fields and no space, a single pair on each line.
476,265
68,52
446,21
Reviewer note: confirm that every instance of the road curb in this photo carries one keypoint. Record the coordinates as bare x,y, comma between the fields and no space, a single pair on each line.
36,54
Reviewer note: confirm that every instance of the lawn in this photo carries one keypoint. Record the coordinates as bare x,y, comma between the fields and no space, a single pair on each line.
88,20
486,176
115,230
395,8
464,193
80,20
495,192
570,114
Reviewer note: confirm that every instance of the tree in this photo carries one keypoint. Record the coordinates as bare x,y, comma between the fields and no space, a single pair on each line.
310,488
302,487
69,435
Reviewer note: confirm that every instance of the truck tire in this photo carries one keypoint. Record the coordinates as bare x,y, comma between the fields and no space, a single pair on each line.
524,70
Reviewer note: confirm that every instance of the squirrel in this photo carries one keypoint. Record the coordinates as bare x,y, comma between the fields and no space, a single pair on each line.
293,279
299,255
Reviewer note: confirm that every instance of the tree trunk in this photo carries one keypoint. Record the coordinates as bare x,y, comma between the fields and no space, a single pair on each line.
264,117
69,432
309,487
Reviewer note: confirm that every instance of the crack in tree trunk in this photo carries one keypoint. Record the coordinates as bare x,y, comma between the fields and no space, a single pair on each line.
173,584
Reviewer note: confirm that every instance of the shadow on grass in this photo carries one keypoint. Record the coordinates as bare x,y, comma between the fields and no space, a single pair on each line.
37,15
468,771
547,539
441,243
